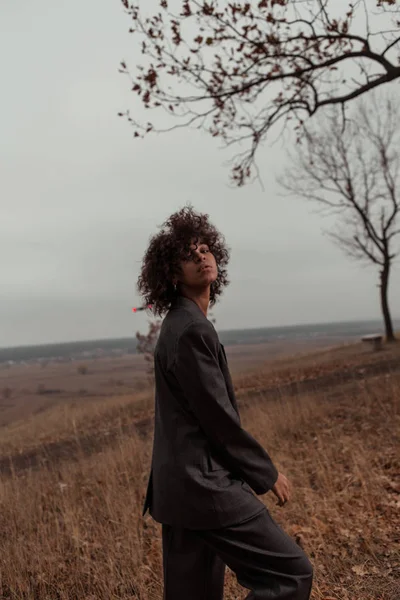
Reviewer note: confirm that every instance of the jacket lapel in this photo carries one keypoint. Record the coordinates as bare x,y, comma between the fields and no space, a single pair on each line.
182,301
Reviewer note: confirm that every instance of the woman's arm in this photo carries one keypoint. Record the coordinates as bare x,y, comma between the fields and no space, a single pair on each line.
197,371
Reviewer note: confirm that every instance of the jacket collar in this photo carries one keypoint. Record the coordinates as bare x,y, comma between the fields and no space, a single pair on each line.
190,305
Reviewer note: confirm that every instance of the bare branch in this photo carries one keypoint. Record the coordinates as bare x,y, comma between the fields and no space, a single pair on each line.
257,65
357,174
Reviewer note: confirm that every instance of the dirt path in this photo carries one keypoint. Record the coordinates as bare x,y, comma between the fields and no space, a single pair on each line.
318,384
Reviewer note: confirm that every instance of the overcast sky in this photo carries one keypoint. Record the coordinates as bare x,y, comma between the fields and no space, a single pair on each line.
80,197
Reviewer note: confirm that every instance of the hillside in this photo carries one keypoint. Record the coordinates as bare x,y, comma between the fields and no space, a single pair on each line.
73,477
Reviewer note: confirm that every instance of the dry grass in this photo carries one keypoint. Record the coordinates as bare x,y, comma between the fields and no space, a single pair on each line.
73,528
73,420
63,382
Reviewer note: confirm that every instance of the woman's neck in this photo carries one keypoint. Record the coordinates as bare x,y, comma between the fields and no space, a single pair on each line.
202,299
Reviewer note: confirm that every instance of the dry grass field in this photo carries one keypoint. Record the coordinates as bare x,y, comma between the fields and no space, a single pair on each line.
73,471
34,388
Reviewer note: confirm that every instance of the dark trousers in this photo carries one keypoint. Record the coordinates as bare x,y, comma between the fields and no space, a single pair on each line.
264,558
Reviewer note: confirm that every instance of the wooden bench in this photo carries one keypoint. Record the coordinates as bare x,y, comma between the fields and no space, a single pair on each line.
374,339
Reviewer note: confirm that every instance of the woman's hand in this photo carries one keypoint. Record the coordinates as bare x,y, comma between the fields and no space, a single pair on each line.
282,489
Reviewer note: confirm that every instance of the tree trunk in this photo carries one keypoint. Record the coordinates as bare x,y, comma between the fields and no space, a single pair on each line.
384,285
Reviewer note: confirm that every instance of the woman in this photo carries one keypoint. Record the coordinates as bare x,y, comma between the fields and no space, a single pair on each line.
204,464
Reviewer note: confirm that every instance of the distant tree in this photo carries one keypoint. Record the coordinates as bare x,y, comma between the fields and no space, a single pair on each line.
355,174
236,69
147,344
6,393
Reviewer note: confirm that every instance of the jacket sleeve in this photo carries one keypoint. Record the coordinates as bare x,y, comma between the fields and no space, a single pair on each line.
198,373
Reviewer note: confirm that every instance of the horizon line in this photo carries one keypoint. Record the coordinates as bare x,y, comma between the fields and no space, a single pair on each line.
291,325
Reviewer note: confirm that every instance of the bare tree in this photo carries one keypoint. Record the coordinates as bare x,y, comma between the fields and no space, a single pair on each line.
147,344
236,69
355,174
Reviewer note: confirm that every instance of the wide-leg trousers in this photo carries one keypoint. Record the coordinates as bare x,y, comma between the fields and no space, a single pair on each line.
264,558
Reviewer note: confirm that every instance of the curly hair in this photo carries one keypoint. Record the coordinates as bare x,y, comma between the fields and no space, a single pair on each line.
166,250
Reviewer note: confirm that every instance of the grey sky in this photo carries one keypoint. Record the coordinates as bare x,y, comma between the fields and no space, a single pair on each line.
79,198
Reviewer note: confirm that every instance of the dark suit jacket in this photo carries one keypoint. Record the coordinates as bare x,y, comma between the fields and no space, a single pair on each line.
203,463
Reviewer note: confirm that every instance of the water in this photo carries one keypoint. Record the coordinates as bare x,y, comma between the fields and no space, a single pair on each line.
334,332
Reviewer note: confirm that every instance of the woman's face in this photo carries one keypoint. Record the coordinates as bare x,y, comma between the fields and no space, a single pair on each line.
200,269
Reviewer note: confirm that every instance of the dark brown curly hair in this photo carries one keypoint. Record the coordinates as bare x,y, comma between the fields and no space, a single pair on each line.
166,250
